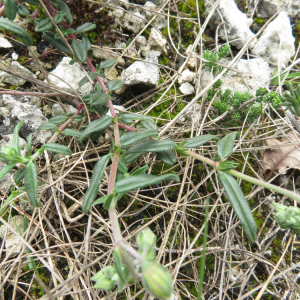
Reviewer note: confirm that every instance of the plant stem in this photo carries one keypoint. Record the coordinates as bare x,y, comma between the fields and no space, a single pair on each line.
259,182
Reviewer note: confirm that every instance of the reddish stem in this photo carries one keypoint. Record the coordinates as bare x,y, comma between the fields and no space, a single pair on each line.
63,126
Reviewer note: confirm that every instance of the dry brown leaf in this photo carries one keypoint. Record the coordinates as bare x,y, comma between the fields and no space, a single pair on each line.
282,155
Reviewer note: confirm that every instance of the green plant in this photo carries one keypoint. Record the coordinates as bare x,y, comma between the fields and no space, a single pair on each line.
129,143
213,58
292,99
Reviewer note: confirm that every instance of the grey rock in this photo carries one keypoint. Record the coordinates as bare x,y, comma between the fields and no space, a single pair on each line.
255,73
193,114
236,23
267,8
186,76
150,10
134,22
277,43
9,101
157,42
15,80
33,118
187,89
141,72
67,76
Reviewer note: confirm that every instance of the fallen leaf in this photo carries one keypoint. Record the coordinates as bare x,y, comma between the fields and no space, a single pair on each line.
282,155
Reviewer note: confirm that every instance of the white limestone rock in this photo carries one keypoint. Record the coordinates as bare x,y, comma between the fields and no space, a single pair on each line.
150,10
15,80
134,22
9,101
33,118
236,23
4,43
67,76
277,43
186,76
192,61
157,42
259,76
141,72
187,89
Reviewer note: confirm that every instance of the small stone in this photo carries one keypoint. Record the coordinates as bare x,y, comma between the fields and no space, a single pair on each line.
111,74
192,61
134,22
3,113
71,75
15,80
236,28
157,42
14,56
186,76
277,43
4,43
140,41
141,72
47,110
186,89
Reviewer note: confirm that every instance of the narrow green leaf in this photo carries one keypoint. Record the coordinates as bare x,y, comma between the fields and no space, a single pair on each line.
226,144
148,124
85,80
6,169
103,199
95,126
85,27
239,205
142,180
65,8
15,141
26,39
10,9
101,100
79,50
92,191
57,43
57,148
122,166
58,119
199,140
110,200
19,175
129,138
118,263
23,10
108,63
152,146
86,42
167,157
29,144
31,183
134,117
9,25
44,25
140,170
72,132
115,84
47,126
131,157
